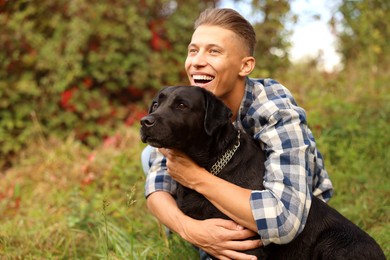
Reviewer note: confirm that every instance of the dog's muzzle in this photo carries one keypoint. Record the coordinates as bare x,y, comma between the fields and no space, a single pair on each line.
148,121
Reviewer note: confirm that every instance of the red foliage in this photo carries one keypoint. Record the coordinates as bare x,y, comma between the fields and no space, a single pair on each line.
82,136
87,180
94,44
135,93
12,201
66,97
135,115
88,82
112,141
89,176
159,40
129,95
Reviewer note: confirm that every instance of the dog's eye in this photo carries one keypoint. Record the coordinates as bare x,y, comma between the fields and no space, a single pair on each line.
154,106
181,106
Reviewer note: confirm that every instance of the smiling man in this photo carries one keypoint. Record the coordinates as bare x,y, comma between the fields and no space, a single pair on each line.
220,59
220,65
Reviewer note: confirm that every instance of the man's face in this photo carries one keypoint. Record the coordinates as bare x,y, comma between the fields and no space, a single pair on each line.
215,59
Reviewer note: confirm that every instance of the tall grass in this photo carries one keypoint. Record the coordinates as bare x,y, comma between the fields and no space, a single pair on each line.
66,201
63,200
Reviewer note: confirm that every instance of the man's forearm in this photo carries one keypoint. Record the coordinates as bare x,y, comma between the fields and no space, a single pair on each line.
162,205
231,199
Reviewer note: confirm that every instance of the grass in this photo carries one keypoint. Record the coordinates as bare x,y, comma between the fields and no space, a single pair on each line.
63,200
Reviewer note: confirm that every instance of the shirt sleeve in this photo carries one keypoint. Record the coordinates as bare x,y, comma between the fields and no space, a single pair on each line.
281,210
322,185
157,178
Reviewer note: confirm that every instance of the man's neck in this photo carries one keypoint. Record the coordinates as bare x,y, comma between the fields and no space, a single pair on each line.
234,99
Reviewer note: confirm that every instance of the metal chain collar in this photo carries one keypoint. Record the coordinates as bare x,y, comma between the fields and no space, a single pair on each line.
223,161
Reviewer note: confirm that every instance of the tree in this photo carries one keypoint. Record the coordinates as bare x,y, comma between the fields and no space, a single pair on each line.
270,18
75,65
363,28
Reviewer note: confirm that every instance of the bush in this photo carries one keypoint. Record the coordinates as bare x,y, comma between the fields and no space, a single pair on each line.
77,65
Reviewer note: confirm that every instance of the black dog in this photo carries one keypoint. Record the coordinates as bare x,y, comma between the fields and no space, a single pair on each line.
194,121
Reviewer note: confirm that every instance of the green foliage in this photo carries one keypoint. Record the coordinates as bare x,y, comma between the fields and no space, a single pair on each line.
272,45
76,65
269,19
364,32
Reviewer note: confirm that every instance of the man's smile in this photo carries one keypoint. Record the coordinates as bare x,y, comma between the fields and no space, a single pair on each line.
202,79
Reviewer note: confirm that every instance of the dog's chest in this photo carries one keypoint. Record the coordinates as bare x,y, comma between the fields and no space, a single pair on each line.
246,169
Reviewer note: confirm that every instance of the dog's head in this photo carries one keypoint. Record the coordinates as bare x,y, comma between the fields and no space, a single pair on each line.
182,116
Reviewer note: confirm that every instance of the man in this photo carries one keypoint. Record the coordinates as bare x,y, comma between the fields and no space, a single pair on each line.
220,58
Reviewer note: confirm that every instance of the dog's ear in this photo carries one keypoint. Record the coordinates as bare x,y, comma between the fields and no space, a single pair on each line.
217,113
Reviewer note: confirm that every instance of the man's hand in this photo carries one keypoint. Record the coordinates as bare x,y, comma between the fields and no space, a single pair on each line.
220,238
180,166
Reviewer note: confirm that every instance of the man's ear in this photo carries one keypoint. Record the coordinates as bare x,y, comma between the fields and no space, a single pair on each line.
247,66
217,113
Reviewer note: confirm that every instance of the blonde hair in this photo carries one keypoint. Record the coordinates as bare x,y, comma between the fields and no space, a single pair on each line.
231,20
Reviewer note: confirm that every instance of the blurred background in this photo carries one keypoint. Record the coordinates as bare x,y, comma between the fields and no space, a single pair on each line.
76,76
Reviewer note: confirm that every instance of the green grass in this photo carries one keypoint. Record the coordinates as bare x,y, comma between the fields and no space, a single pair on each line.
63,200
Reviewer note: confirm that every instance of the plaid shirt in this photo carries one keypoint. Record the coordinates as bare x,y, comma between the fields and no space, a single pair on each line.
294,167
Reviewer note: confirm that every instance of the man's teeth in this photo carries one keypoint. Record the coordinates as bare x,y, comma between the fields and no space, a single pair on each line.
202,77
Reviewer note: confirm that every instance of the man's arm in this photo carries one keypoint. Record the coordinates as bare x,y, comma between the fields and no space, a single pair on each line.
229,198
215,236
162,205
277,213
218,237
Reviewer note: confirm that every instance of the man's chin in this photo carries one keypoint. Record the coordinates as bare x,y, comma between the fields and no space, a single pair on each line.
206,86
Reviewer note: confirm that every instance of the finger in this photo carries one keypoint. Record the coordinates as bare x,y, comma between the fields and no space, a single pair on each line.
243,234
243,245
228,224
229,254
237,231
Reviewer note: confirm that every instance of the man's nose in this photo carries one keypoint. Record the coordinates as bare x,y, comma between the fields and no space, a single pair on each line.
199,60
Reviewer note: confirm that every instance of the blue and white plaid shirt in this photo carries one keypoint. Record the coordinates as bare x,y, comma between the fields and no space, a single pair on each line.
294,167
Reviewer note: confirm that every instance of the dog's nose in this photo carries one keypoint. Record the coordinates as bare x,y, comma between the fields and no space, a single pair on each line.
148,121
